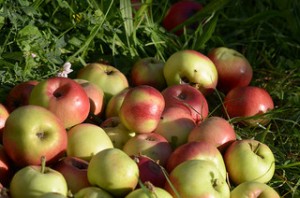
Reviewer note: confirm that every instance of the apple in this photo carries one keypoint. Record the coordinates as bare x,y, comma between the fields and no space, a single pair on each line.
64,97
19,95
52,195
214,130
107,77
74,171
4,113
193,68
152,145
150,171
92,191
114,171
31,132
196,150
197,178
34,181
95,94
148,71
6,168
149,191
86,139
116,131
175,125
251,103
256,161
234,70
114,104
253,189
178,13
188,98
141,109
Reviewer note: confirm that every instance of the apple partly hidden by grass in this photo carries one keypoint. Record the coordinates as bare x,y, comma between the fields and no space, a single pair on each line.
193,68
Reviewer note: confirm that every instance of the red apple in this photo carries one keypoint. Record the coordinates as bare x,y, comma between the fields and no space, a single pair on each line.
74,171
152,145
248,101
141,109
4,113
19,95
188,98
64,97
32,132
179,12
148,71
215,130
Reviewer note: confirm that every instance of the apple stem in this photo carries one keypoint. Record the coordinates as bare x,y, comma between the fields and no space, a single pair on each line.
43,164
257,147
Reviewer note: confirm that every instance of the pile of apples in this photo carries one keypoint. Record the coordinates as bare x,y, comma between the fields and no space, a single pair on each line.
104,134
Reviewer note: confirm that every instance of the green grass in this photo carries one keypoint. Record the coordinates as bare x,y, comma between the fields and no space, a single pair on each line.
266,32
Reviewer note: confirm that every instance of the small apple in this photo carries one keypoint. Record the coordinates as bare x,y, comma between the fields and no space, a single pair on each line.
64,97
193,68
234,70
179,12
4,113
214,130
74,171
107,77
114,104
19,94
152,145
250,103
253,189
31,132
255,160
197,178
114,171
86,139
175,125
188,98
92,192
141,109
196,150
34,181
148,71
149,191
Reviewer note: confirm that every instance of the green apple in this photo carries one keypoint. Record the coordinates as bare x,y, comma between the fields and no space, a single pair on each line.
52,195
191,67
114,104
253,189
34,181
108,78
249,160
149,191
86,139
113,171
197,178
31,132
92,192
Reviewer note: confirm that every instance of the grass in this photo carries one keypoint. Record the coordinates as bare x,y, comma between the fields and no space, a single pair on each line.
37,37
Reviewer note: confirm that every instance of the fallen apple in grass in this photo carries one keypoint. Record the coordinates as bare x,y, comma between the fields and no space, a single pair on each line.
193,68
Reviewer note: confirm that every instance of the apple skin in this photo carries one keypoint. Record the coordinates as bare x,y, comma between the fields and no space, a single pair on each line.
179,12
249,101
19,95
30,181
197,178
4,113
214,130
74,171
255,159
86,139
253,190
141,109
196,150
148,71
193,68
52,195
113,171
114,104
92,191
32,132
152,145
188,98
175,125
149,191
234,70
64,97
107,77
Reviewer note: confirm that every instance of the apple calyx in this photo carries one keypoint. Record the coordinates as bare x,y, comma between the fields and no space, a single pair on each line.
216,183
